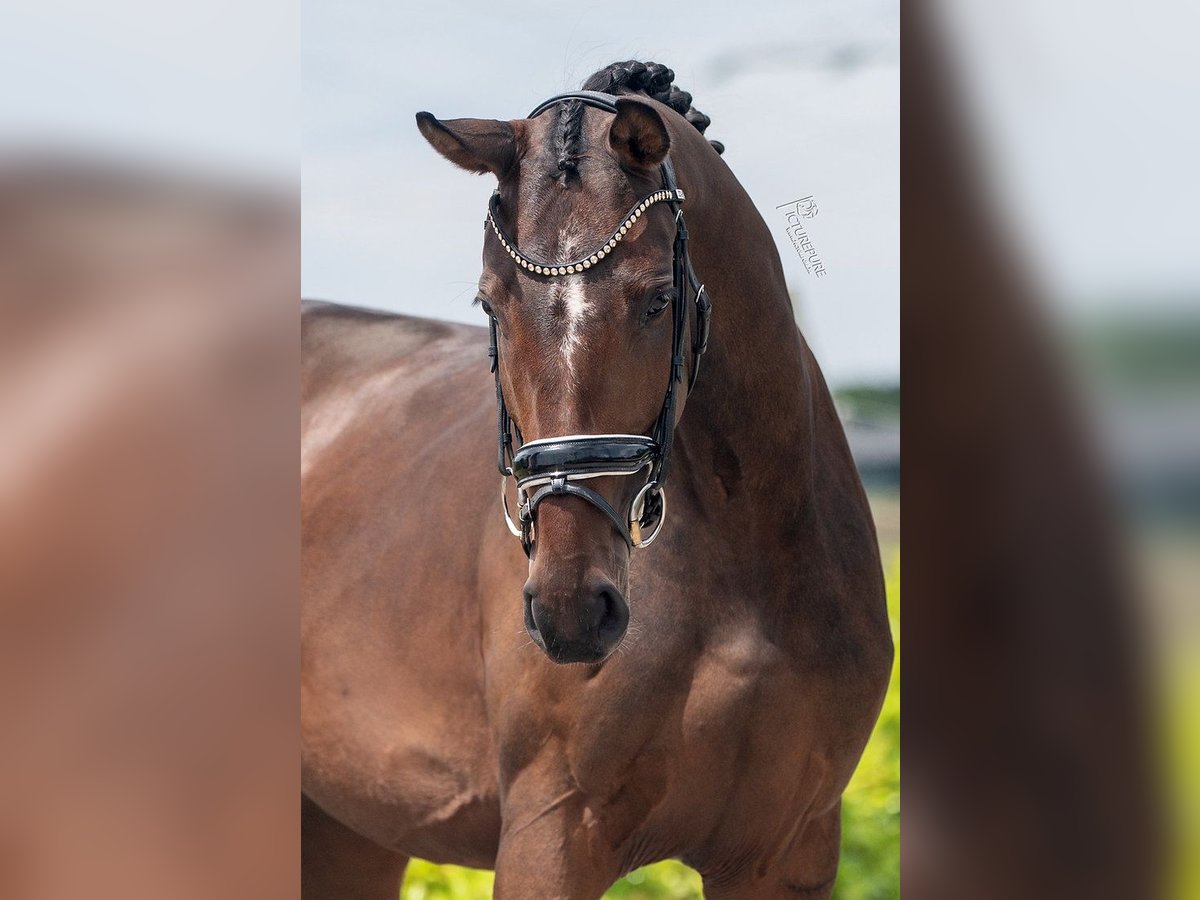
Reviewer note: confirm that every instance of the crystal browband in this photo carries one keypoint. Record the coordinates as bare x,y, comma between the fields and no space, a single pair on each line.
555,269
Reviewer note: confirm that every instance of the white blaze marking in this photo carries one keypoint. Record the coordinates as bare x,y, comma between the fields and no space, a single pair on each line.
577,307
572,296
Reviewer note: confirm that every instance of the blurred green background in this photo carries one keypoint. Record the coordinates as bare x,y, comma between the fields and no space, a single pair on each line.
870,866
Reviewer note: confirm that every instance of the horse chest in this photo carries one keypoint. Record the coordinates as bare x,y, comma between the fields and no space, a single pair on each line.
666,753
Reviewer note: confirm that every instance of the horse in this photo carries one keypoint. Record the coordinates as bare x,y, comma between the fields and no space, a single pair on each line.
620,683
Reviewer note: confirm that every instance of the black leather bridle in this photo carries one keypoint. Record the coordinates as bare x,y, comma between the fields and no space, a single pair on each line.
555,466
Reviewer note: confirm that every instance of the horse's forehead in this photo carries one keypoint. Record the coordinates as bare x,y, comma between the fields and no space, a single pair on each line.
561,223
558,208
590,203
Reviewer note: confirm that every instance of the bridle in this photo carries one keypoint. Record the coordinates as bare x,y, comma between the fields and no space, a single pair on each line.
556,466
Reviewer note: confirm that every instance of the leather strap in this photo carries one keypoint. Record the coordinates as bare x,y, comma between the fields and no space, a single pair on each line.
598,99
580,455
504,451
560,486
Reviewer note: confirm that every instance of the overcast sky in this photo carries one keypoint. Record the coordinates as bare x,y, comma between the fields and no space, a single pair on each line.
1086,116
804,96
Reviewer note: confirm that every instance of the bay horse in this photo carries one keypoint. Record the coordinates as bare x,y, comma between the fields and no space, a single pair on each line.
576,703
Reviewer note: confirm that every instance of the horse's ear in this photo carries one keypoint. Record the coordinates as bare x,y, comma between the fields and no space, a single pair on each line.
478,145
638,135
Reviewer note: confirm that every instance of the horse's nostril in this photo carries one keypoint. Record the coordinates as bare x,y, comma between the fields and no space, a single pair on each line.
612,614
533,612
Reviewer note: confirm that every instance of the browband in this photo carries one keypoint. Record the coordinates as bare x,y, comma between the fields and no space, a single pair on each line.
588,260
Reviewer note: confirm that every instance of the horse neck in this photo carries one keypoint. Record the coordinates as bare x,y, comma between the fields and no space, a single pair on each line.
754,415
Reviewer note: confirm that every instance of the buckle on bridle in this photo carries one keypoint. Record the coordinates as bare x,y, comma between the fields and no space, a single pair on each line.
508,519
648,510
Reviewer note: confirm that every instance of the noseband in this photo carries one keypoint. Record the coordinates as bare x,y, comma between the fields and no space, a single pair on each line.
556,466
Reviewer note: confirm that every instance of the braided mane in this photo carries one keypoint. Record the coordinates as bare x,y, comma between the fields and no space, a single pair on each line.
651,79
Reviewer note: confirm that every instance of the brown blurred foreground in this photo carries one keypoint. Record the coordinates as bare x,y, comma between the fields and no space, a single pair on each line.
1028,768
148,537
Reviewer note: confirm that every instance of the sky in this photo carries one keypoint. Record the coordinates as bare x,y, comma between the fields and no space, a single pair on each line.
1086,119
805,98
209,89
1085,115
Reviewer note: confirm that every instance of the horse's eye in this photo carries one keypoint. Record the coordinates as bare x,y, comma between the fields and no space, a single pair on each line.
484,305
658,302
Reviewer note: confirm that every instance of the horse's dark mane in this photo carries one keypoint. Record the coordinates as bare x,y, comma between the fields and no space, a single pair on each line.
652,79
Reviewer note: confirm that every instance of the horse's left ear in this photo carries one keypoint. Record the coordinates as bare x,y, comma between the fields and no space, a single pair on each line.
478,145
638,135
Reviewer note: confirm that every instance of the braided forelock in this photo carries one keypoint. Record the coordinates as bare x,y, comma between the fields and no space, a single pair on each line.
567,135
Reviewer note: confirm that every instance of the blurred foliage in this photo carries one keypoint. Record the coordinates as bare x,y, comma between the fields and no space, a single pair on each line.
868,402
1140,352
1181,720
426,881
870,866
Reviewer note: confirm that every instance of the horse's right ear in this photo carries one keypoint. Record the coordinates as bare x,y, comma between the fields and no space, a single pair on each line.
478,145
